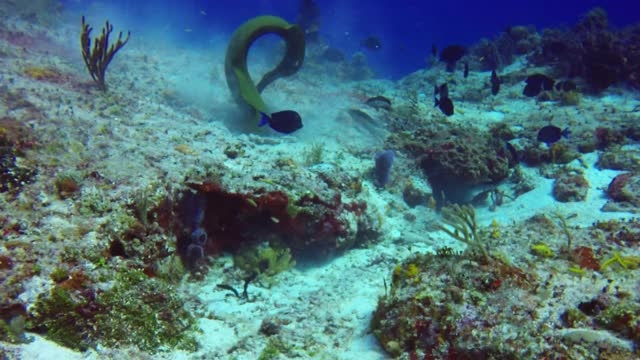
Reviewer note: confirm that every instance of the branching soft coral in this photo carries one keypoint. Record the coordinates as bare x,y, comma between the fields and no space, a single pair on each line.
98,58
461,225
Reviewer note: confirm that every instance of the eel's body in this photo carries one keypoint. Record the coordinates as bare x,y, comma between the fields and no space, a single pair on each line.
244,91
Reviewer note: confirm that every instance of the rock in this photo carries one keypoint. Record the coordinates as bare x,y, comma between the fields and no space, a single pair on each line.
625,188
624,191
619,159
414,196
570,187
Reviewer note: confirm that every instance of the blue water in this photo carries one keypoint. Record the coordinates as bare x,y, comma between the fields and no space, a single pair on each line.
406,28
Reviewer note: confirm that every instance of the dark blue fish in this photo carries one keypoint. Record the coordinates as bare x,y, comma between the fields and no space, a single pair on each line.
495,83
536,83
444,103
551,134
285,122
372,43
384,161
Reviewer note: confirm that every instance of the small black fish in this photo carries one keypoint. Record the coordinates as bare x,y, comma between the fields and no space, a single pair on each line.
372,43
444,103
536,83
442,91
451,54
495,83
434,50
551,134
466,70
566,85
285,122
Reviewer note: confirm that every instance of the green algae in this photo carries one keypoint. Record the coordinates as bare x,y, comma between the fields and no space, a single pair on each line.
135,311
268,260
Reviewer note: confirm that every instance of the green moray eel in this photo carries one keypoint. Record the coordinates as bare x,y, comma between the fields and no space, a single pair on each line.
244,91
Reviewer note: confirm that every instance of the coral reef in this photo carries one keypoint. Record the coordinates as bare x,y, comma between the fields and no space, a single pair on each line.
497,53
452,306
454,159
444,307
309,226
592,50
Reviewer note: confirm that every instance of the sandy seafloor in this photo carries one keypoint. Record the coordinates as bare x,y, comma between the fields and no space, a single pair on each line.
178,96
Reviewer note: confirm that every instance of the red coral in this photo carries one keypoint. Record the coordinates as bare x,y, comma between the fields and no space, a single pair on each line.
5,263
585,258
308,225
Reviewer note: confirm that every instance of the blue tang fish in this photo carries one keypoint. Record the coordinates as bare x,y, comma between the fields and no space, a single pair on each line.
285,122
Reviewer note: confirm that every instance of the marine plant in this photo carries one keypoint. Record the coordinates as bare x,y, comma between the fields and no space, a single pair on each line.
460,223
98,57
626,262
313,154
67,184
274,348
562,221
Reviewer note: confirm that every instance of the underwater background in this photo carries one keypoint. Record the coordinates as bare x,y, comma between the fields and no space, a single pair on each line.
305,179
407,28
